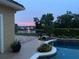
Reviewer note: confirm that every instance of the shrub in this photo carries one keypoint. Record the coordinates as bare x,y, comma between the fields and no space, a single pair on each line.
40,38
43,38
70,32
16,46
44,48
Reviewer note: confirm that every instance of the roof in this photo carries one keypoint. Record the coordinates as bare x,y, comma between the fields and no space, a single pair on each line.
16,3
13,4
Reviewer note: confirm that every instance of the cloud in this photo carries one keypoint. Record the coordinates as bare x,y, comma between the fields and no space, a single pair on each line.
26,23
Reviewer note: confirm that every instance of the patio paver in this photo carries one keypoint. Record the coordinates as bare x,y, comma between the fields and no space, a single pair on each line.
27,50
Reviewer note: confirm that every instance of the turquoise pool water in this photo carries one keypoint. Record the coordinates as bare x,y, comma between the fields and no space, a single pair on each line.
66,53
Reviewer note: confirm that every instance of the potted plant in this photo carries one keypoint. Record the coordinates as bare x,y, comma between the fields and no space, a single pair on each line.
16,46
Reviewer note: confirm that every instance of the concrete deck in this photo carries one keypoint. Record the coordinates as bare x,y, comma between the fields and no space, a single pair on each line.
29,46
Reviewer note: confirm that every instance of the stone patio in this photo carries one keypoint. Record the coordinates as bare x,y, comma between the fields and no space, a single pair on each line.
29,46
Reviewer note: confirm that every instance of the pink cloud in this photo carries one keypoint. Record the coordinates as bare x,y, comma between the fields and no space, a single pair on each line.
26,23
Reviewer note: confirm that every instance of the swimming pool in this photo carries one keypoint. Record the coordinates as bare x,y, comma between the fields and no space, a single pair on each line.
66,50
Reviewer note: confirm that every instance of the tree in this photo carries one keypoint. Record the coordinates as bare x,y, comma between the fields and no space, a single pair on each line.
68,20
65,20
36,20
44,25
38,25
75,21
47,22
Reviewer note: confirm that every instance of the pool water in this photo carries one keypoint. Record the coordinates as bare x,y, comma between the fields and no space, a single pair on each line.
64,51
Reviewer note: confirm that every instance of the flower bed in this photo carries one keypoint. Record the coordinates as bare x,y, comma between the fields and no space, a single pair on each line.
44,48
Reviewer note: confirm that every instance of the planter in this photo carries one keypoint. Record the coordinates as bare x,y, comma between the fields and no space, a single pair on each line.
44,48
16,46
40,54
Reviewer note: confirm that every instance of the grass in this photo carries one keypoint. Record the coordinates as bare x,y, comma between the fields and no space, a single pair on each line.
27,34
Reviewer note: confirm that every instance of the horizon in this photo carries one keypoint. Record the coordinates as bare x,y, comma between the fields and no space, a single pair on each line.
25,24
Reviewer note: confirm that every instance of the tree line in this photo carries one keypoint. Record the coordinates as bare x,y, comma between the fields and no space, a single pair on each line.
46,23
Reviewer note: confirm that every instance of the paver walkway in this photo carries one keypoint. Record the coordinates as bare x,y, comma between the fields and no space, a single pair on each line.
28,49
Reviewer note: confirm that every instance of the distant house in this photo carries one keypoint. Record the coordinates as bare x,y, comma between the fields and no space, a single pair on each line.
7,10
26,29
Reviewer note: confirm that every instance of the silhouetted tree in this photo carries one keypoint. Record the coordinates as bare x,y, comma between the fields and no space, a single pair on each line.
47,22
44,25
65,20
37,25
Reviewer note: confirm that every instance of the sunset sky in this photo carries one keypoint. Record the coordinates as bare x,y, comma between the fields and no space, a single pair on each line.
35,8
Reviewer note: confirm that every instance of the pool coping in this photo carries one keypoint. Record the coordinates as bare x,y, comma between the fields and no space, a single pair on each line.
52,40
